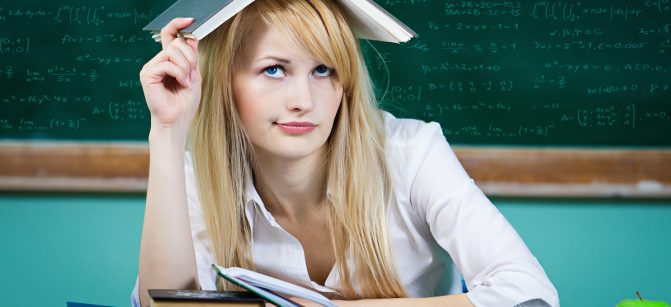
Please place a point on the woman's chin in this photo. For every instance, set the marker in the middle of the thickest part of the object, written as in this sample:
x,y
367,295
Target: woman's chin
x,y
291,150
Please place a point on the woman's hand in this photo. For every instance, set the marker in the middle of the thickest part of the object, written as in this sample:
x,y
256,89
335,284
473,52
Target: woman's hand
x,y
308,303
171,80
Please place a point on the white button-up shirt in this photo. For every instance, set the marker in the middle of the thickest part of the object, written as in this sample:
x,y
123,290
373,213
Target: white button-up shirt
x,y
439,219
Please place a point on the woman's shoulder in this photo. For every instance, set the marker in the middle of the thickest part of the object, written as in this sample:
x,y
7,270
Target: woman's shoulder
x,y
409,131
408,142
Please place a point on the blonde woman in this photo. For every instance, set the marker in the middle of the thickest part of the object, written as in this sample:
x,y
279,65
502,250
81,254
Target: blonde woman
x,y
291,170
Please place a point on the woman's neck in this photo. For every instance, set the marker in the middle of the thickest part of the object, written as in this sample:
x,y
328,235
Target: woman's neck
x,y
291,188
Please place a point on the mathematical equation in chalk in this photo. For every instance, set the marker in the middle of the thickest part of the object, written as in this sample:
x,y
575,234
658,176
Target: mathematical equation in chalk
x,y
123,110
25,124
120,39
18,45
84,15
45,99
60,74
485,70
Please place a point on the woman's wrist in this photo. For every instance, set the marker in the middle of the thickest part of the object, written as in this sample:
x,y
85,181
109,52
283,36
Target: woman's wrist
x,y
167,134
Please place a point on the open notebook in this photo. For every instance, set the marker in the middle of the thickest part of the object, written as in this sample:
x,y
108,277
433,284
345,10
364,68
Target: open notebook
x,y
271,289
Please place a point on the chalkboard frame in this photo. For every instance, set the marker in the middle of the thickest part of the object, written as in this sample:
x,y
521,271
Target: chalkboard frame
x,y
49,166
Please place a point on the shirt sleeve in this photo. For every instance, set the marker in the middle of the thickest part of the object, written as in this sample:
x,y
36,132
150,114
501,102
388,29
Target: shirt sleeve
x,y
134,296
497,266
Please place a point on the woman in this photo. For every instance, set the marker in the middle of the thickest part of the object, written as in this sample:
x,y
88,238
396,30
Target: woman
x,y
292,171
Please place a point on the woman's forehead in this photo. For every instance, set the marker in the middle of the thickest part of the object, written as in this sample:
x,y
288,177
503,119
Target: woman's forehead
x,y
266,41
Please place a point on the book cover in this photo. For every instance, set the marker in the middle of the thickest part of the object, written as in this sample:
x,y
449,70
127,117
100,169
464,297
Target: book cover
x,y
201,10
207,15
197,298
369,20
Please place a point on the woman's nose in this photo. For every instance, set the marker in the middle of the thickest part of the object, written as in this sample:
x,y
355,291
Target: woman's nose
x,y
303,95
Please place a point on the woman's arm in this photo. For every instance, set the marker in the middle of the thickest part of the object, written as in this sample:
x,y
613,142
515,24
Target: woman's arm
x,y
455,300
167,259
171,84
497,266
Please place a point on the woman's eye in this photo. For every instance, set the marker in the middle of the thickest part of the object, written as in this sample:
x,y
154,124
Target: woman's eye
x,y
323,71
274,71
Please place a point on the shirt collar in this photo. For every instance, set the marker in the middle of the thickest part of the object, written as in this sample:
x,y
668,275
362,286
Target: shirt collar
x,y
254,203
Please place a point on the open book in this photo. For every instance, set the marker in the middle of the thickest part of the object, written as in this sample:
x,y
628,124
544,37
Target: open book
x,y
271,289
368,20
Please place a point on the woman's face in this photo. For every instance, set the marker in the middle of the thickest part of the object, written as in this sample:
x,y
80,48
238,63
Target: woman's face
x,y
287,100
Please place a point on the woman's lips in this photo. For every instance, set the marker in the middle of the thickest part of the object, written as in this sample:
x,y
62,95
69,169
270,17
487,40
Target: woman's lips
x,y
296,128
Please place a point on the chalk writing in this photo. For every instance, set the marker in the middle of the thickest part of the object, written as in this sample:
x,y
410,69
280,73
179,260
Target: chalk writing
x,y
406,93
108,60
5,124
460,26
403,2
590,45
14,45
576,32
662,6
491,48
7,72
625,68
447,66
482,8
652,88
473,86
72,124
543,81
45,98
511,72
61,74
104,38
78,14
122,111
500,132
129,83
436,110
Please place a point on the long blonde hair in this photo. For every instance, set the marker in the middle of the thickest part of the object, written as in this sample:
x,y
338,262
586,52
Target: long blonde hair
x,y
357,178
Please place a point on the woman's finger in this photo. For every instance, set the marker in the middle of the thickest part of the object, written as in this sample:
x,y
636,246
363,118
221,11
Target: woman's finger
x,y
193,43
187,52
179,53
158,72
170,55
169,32
177,57
195,73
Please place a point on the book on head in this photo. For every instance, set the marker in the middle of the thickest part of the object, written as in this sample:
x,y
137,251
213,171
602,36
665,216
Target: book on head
x,y
368,20
273,290
203,298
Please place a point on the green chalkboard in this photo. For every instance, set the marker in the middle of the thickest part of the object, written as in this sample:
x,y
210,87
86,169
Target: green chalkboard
x,y
69,69
490,72
534,72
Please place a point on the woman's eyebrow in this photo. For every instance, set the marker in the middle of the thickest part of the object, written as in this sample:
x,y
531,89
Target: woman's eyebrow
x,y
281,60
